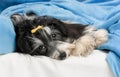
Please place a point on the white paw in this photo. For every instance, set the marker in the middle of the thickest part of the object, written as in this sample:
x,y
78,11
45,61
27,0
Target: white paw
x,y
101,36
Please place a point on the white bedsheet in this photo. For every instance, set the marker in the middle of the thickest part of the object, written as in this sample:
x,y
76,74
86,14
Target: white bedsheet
x,y
18,65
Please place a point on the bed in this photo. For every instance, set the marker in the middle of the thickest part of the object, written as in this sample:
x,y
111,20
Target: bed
x,y
19,65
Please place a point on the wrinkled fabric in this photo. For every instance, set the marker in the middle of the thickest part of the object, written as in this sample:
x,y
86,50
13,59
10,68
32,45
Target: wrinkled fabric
x,y
20,65
7,35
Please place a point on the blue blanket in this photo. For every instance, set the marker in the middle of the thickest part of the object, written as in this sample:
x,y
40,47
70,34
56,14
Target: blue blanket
x,y
99,13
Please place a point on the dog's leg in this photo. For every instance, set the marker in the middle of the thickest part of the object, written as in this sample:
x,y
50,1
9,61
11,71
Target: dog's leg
x,y
84,46
91,40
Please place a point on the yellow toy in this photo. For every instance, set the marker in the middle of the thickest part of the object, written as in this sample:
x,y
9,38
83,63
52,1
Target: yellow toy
x,y
37,28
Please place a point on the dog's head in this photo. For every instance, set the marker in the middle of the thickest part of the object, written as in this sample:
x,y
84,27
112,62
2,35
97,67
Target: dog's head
x,y
43,35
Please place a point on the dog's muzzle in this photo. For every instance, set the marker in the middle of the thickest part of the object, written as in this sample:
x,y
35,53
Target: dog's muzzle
x,y
60,50
57,49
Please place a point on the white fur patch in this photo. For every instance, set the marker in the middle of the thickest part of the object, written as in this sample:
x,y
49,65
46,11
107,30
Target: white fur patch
x,y
29,17
91,39
62,47
47,29
36,42
66,47
101,36
89,29
84,46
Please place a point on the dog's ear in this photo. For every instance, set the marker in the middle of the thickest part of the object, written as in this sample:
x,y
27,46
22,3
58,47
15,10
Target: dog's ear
x,y
30,15
74,30
59,25
70,30
16,18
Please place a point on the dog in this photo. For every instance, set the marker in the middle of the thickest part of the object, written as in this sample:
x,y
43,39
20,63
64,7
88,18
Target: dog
x,y
49,36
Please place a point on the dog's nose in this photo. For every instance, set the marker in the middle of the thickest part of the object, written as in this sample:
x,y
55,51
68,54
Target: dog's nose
x,y
62,55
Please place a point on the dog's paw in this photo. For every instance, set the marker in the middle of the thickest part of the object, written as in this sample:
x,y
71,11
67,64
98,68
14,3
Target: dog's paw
x,y
101,36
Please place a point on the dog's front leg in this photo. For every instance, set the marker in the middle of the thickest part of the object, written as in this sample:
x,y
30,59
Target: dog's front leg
x,y
84,46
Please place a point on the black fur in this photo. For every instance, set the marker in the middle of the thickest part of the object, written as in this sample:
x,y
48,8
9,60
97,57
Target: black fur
x,y
24,43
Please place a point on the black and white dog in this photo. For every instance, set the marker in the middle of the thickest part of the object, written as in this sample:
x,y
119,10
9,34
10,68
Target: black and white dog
x,y
45,35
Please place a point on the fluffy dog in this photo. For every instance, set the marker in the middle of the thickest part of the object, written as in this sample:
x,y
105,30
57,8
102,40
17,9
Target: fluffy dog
x,y
45,35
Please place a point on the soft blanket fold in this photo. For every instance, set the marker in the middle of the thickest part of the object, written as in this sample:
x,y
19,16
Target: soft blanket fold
x,y
99,13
